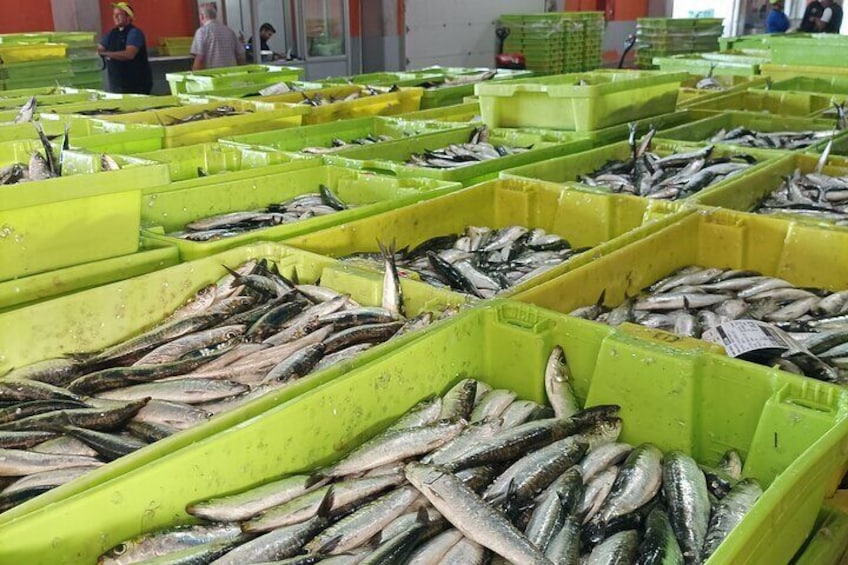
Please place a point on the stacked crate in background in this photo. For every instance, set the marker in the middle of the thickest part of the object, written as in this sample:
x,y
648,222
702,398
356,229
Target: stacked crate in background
x,y
86,65
657,37
32,64
557,42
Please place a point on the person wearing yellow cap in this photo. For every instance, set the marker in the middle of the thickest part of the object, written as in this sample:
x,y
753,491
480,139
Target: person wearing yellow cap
x,y
125,51
776,21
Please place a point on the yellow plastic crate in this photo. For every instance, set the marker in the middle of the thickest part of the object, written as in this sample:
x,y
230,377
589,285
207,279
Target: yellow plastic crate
x,y
23,53
805,255
261,117
401,101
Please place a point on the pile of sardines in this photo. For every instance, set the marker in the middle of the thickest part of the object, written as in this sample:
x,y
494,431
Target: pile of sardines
x,y
472,477
814,195
222,111
672,177
251,332
696,299
787,140
482,261
339,143
476,150
318,99
299,208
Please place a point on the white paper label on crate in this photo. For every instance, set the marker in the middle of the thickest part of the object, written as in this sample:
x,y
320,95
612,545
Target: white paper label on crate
x,y
279,88
746,336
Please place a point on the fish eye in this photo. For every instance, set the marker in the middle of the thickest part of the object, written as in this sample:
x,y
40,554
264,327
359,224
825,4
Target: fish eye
x,y
120,549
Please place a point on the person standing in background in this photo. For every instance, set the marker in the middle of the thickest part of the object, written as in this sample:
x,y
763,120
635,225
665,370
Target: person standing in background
x,y
266,32
125,51
812,13
831,18
215,45
776,21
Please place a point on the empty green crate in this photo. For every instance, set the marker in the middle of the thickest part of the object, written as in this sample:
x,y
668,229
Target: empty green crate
x,y
559,102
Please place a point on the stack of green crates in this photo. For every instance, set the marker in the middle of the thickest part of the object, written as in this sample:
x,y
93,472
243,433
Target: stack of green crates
x,y
658,37
593,39
86,65
557,42
29,65
541,38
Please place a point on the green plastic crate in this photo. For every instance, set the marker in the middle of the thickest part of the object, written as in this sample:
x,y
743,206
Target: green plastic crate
x,y
720,63
26,52
782,72
602,222
403,100
390,157
718,404
114,312
672,24
73,219
260,117
170,210
13,38
782,103
407,78
829,540
703,129
746,194
558,103
151,256
92,134
621,132
566,170
731,83
465,113
122,105
437,97
292,141
46,100
825,49
230,77
221,163
754,41
817,85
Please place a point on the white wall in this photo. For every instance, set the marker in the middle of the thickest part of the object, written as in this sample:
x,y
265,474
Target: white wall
x,y
451,33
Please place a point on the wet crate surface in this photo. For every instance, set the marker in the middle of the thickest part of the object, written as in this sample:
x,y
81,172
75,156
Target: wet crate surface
x,y
506,345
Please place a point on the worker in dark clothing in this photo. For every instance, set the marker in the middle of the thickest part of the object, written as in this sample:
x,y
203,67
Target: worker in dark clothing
x,y
831,18
776,21
266,32
812,13
125,51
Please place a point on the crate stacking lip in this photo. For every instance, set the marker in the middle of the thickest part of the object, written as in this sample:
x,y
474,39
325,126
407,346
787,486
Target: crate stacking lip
x,y
165,212
581,102
602,222
719,404
120,310
837,85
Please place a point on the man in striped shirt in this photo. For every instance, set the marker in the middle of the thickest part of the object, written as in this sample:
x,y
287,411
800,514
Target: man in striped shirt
x,y
214,44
